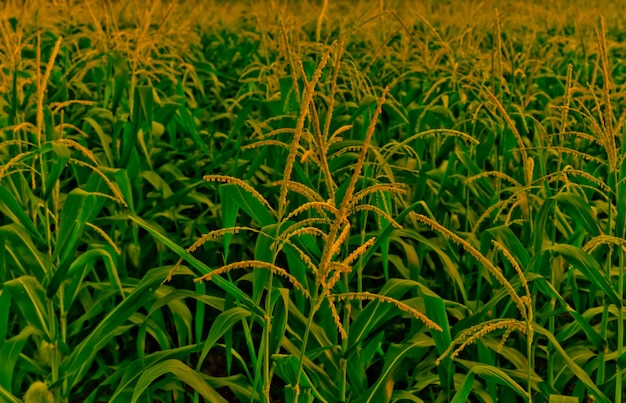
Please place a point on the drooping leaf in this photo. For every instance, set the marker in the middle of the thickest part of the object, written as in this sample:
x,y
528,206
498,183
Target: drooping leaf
x,y
79,361
79,208
12,209
61,157
180,371
223,323
226,285
596,340
394,358
30,297
580,373
579,210
230,193
10,354
25,252
7,396
495,373
584,262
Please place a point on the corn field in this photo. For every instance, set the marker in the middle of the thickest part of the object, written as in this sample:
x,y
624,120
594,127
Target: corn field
x,y
316,201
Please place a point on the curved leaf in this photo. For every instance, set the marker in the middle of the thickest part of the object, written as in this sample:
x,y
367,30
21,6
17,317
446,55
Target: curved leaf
x,y
488,371
587,264
12,209
226,285
30,297
183,373
7,396
397,353
224,322
572,366
79,361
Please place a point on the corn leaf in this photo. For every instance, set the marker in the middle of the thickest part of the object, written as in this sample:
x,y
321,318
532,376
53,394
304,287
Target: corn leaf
x,y
180,371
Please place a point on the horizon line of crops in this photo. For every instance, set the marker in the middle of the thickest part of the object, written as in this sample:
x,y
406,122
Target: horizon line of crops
x,y
204,213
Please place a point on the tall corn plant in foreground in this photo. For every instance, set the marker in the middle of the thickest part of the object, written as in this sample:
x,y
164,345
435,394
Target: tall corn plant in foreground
x,y
307,339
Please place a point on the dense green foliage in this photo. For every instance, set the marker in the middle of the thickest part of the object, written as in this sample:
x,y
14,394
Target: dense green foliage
x,y
311,202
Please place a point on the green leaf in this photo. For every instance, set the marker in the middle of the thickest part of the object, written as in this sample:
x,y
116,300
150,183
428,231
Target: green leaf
x,y
79,361
7,397
288,99
280,301
180,371
587,264
298,269
405,396
576,208
394,357
128,372
231,193
30,258
10,354
30,297
184,118
12,209
226,285
488,371
376,313
436,311
229,219
287,367
580,373
109,259
224,322
104,139
200,320
126,188
264,252
318,375
121,79
240,121
546,287
465,389
385,233
369,319
144,104
141,117
511,242
233,198
158,183
579,210
359,361
621,360
79,208
62,155
238,384
382,200
5,305
304,395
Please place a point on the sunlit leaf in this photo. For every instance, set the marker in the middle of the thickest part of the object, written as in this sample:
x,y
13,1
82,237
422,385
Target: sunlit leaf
x,y
180,371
